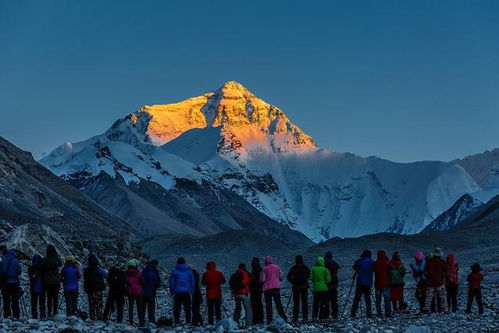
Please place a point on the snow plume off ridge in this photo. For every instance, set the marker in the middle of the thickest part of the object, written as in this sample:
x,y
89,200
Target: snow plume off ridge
x,y
233,140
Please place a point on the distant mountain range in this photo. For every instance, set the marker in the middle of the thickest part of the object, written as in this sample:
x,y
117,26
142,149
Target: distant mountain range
x,y
229,160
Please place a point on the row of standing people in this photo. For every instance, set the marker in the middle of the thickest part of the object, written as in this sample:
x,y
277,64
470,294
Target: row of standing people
x,y
437,283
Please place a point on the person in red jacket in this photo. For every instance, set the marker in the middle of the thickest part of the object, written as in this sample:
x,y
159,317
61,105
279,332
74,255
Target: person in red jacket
x,y
436,270
239,282
474,288
213,280
452,282
381,270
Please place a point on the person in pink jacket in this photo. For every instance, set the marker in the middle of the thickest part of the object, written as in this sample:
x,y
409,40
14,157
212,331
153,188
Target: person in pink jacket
x,y
271,278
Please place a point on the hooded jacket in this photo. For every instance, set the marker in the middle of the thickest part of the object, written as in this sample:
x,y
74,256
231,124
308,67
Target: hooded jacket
x,y
333,268
152,280
320,276
181,280
298,275
70,274
452,270
93,276
271,275
245,282
35,273
363,267
10,268
397,272
381,268
51,264
213,280
475,279
256,270
116,281
436,270
134,282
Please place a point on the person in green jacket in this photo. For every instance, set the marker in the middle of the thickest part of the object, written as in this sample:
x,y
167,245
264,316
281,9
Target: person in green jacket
x,y
320,277
396,277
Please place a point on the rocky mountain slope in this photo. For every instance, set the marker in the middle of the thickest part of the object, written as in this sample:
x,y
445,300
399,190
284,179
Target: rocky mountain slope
x,y
484,168
232,140
29,193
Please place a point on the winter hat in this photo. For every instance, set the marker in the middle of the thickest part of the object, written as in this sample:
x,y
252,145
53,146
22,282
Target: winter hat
x,y
476,267
419,255
71,259
328,255
437,252
242,266
133,263
395,256
299,259
92,260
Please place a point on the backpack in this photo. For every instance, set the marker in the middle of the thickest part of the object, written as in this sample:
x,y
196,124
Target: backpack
x,y
94,281
116,280
236,281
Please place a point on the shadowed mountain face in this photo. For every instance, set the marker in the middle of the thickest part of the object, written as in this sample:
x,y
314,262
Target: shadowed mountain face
x,y
235,141
29,193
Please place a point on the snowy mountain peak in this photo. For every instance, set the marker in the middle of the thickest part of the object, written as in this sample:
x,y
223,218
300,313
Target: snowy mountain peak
x,y
245,121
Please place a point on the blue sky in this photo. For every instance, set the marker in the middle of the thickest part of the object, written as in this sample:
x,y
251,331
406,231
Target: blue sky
x,y
401,80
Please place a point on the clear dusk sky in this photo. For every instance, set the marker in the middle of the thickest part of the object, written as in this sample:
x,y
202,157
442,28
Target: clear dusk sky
x,y
403,80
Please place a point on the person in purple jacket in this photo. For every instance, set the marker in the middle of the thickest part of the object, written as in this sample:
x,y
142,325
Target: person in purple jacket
x,y
152,282
182,287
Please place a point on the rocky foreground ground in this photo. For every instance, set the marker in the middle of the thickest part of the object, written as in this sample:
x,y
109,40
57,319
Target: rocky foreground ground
x,y
412,322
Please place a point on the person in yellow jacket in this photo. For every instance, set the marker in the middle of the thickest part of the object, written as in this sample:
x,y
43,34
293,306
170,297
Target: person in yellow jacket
x,y
320,277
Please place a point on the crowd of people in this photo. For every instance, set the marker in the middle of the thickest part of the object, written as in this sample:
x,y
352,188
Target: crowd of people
x,y
437,282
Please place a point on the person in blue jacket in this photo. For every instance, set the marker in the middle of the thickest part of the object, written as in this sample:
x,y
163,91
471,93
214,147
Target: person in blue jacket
x,y
363,268
70,274
181,286
35,272
152,282
9,273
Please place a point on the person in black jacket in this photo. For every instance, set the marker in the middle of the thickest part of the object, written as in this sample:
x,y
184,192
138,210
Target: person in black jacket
x,y
51,279
116,294
35,273
256,291
298,277
94,285
332,294
197,299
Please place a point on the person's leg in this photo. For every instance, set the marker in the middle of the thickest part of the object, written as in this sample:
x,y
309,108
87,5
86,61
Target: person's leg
x,y
67,299
210,304
107,307
248,313
98,305
334,303
34,305
442,297
296,303
218,308
386,299
324,304
6,302
237,308
141,311
315,305
356,300
367,299
56,300
278,304
470,300
430,293
16,311
304,304
120,302
454,298
378,293
478,295
268,305
187,308
42,304
131,302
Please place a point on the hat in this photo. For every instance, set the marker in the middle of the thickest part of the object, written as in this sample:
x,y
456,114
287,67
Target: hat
x,y
133,263
70,259
437,252
419,255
